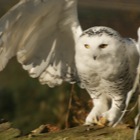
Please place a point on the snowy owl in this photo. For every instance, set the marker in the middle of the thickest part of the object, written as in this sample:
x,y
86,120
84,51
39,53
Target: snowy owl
x,y
50,44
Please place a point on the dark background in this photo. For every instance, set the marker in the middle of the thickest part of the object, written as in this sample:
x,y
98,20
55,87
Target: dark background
x,y
28,104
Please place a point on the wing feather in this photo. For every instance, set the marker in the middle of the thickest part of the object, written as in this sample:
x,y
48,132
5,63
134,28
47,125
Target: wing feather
x,y
42,33
133,55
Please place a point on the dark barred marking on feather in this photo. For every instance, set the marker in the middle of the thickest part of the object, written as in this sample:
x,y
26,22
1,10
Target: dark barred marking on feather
x,y
120,105
92,32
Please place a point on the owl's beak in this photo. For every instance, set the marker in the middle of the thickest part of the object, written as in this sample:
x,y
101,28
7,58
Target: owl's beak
x,y
94,57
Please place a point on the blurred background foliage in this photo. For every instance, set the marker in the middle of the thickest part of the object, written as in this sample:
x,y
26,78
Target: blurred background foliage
x,y
28,104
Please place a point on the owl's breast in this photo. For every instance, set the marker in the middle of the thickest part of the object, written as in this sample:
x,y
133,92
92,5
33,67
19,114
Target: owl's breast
x,y
89,76
93,73
105,78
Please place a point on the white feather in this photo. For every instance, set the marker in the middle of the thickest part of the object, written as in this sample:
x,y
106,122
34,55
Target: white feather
x,y
43,35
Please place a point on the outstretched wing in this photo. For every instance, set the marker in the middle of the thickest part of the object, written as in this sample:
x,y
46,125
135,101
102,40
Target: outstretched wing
x,y
42,34
137,118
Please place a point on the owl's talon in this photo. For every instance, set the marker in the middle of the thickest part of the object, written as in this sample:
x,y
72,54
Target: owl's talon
x,y
90,121
102,121
88,124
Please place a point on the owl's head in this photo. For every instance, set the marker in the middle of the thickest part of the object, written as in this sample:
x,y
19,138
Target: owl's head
x,y
100,43
100,50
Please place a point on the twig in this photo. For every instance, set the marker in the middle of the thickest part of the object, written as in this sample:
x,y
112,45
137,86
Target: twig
x,y
69,107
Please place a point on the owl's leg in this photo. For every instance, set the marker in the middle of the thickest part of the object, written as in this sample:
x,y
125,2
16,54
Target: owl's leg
x,y
101,104
113,114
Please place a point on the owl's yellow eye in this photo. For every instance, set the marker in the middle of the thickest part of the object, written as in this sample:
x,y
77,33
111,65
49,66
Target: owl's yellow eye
x,y
102,46
87,46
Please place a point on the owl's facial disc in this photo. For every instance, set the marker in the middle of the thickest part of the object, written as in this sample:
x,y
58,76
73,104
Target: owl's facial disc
x,y
100,47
